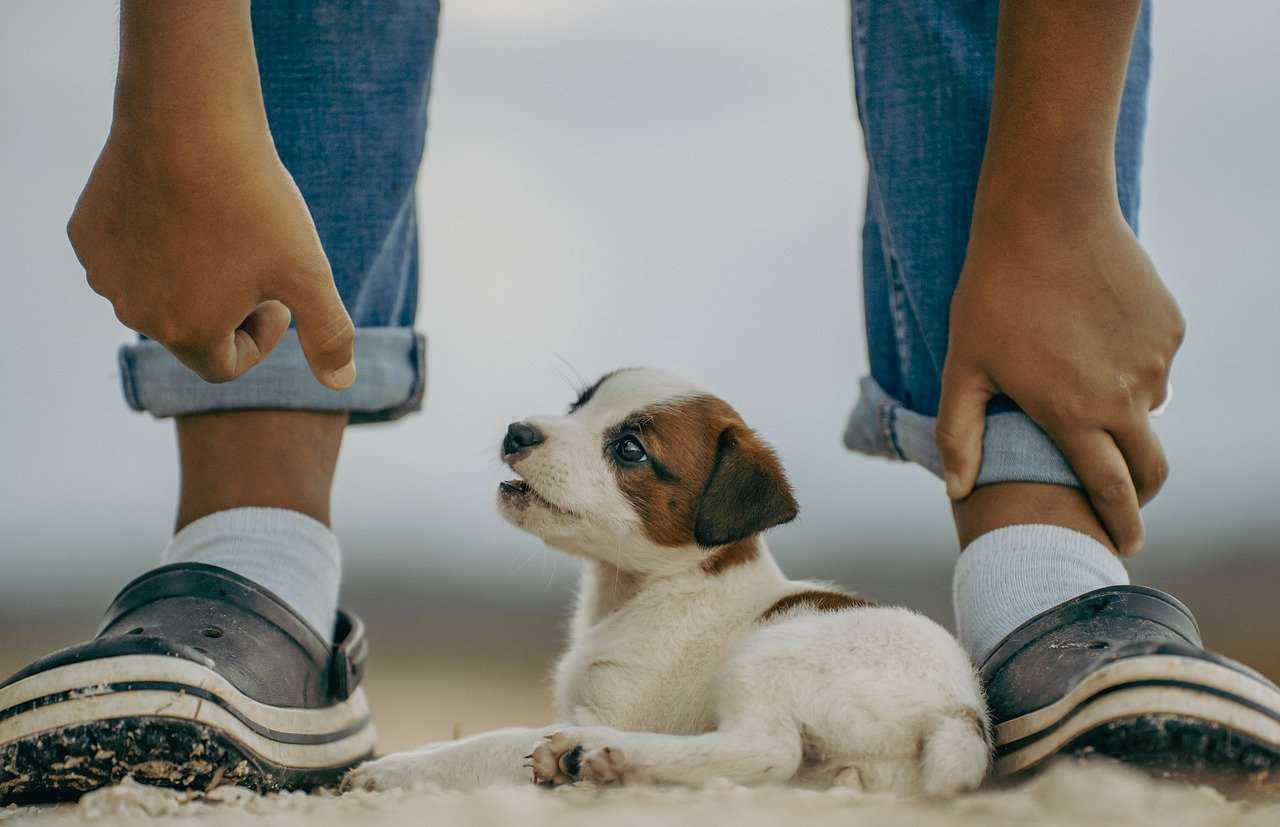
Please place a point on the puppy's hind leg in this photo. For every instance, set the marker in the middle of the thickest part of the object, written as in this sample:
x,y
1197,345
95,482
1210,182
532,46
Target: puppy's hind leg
x,y
956,754
605,756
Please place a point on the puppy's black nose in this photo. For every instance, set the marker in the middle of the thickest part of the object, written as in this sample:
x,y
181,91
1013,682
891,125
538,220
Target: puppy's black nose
x,y
520,435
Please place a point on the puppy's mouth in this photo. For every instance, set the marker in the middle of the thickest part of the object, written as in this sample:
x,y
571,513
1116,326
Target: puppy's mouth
x,y
519,493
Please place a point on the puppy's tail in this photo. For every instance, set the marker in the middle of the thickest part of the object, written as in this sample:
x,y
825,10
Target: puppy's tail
x,y
957,752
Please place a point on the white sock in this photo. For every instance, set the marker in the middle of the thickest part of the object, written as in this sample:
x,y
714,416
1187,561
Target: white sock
x,y
284,551
1010,575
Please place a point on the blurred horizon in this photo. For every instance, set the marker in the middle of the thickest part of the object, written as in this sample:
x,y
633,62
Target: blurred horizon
x,y
601,179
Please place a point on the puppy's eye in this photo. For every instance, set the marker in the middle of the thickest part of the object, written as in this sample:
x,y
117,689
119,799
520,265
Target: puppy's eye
x,y
629,449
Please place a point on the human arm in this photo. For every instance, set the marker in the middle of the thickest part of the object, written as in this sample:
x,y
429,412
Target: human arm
x,y
1058,306
189,223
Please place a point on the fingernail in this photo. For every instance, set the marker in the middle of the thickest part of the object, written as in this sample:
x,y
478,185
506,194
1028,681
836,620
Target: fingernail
x,y
344,376
953,484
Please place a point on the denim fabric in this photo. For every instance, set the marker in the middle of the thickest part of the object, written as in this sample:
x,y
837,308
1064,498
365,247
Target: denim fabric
x,y
345,86
923,74
392,381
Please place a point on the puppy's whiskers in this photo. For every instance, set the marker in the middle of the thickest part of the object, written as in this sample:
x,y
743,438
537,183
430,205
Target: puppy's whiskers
x,y
617,573
579,383
532,553
551,577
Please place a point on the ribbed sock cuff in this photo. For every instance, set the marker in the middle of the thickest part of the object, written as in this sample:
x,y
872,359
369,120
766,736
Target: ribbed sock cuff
x,y
1010,575
294,556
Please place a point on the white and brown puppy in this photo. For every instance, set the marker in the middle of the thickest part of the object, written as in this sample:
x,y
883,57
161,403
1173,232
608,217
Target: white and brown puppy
x,y
691,657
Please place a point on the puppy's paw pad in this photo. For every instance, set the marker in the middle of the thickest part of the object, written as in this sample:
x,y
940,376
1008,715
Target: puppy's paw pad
x,y
606,765
556,760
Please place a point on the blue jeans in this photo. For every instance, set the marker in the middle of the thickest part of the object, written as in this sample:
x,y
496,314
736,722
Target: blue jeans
x,y
345,87
923,75
346,93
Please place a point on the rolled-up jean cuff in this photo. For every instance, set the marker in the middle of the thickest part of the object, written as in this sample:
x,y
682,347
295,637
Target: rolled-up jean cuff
x,y
1014,449
391,378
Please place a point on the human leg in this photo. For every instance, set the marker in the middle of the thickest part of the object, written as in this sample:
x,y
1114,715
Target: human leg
x,y
230,664
1036,562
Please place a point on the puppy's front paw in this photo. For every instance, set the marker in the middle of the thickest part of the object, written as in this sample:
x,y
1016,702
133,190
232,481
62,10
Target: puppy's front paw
x,y
390,773
573,755
605,765
555,760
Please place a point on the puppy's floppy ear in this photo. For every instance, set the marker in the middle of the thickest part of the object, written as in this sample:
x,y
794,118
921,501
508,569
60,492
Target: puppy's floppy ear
x,y
746,493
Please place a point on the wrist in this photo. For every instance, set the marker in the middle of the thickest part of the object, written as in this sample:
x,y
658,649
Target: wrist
x,y
1046,196
187,114
191,149
223,93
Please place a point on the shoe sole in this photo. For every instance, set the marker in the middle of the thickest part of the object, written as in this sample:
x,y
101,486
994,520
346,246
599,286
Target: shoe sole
x,y
166,721
1174,715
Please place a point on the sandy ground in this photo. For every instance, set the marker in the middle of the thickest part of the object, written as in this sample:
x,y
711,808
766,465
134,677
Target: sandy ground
x,y
456,680
418,704
415,705
1068,795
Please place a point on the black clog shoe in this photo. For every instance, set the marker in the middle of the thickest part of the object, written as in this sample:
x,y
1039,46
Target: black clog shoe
x,y
1120,672
197,678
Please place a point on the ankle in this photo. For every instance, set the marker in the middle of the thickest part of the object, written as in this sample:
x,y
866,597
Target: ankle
x,y
290,554
1009,575
1006,504
271,459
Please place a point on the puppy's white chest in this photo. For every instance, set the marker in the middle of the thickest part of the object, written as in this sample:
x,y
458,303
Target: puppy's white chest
x,y
645,682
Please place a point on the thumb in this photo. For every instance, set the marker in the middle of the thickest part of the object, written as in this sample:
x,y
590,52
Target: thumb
x,y
962,417
325,331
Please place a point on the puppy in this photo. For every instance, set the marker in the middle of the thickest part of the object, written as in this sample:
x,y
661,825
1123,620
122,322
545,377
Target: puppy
x,y
691,657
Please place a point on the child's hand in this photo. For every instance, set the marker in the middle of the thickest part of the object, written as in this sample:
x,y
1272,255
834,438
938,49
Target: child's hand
x,y
202,242
190,225
1067,316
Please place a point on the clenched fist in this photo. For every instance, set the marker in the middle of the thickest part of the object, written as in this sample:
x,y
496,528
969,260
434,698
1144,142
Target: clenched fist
x,y
1070,320
203,243
189,224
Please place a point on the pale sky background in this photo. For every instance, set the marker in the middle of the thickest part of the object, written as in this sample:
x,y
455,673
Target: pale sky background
x,y
607,184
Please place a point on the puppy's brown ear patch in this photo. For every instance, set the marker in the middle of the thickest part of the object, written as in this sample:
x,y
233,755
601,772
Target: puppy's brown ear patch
x,y
746,492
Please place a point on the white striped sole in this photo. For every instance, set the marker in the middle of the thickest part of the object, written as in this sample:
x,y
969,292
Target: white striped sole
x,y
83,692
1148,685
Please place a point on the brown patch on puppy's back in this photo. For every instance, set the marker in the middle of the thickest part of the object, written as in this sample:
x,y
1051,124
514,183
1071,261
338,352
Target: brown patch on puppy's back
x,y
815,600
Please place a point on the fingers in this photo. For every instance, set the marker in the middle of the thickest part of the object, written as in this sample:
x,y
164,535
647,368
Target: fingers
x,y
962,417
222,357
1144,455
1102,470
213,360
258,334
325,330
